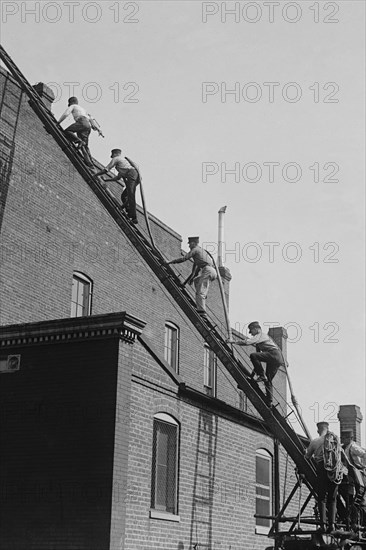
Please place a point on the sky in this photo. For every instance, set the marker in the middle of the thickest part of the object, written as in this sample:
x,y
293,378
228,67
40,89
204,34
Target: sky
x,y
257,106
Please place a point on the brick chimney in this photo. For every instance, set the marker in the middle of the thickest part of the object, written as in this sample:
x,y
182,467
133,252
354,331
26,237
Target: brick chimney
x,y
279,335
350,418
45,93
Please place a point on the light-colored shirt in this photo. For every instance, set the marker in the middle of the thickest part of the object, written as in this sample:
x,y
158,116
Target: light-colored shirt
x,y
355,454
76,111
198,255
119,163
316,448
262,341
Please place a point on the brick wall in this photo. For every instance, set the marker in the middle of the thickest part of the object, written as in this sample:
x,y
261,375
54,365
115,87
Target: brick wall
x,y
232,500
230,467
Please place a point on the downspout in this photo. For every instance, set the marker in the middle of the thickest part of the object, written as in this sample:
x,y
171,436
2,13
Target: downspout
x,y
220,241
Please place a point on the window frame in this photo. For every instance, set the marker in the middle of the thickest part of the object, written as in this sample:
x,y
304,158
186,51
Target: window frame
x,y
265,455
87,282
210,359
171,328
156,510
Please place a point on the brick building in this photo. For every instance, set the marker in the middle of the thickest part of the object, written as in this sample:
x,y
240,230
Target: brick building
x,y
120,428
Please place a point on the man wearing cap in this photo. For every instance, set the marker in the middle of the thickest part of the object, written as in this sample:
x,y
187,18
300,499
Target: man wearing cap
x,y
327,490
354,483
81,126
129,175
353,452
267,352
202,274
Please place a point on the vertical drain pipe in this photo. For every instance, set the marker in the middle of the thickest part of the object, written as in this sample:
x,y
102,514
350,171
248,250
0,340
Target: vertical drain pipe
x,y
220,263
220,239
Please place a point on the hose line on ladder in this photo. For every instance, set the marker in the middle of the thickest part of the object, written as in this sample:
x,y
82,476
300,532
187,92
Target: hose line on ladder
x,y
143,201
226,311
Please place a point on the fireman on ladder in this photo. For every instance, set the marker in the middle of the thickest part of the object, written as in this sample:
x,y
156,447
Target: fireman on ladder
x,y
326,488
267,352
81,127
130,176
354,484
202,273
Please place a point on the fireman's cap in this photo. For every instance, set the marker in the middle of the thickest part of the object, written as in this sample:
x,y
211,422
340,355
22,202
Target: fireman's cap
x,y
254,324
73,100
346,433
115,152
322,425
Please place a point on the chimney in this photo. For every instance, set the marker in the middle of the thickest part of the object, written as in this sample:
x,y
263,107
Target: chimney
x,y
220,240
350,418
279,335
224,271
45,93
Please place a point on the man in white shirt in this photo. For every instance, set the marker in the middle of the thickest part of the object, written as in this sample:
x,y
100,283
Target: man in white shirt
x,y
202,274
355,453
81,127
129,175
267,352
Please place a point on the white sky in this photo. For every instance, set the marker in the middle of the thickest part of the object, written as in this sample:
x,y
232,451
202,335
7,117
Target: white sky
x,y
169,52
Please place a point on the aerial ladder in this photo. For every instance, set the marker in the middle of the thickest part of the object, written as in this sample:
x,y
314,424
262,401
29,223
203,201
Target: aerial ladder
x,y
274,420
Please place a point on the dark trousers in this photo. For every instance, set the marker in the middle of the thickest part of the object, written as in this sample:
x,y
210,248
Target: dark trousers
x,y
327,495
347,491
128,197
81,128
273,362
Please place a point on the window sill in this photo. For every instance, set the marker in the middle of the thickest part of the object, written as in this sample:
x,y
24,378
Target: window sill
x,y
260,530
157,514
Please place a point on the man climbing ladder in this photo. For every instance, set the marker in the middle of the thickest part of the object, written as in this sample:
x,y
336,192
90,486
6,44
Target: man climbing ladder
x,y
80,130
202,274
129,175
267,352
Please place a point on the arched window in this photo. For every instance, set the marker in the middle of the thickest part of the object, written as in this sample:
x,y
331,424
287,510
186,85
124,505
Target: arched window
x,y
164,479
171,345
263,489
209,371
81,297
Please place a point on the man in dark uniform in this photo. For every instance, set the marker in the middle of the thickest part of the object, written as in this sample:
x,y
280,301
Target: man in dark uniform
x,y
354,484
327,490
267,352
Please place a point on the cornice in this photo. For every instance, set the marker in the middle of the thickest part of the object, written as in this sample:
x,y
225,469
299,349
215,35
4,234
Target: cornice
x,y
112,325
